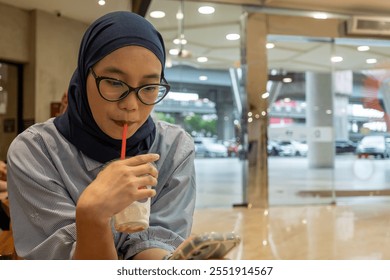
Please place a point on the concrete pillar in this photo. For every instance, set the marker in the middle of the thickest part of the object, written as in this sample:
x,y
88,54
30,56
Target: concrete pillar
x,y
319,119
225,125
343,87
255,63
341,117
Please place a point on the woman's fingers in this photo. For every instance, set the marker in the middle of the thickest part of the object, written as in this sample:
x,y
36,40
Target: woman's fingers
x,y
140,165
141,159
143,194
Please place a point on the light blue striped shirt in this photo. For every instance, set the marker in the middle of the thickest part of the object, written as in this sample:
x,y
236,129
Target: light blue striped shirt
x,y
47,174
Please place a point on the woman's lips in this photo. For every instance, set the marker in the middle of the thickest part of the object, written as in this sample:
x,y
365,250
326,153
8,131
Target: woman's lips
x,y
121,123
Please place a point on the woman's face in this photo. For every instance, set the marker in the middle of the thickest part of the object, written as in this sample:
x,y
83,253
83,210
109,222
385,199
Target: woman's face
x,y
135,66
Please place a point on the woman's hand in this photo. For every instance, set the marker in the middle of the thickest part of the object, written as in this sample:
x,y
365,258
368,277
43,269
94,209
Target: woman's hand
x,y
118,185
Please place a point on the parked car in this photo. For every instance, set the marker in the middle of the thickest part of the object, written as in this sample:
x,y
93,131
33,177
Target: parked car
x,y
273,148
345,146
374,145
293,148
209,147
232,148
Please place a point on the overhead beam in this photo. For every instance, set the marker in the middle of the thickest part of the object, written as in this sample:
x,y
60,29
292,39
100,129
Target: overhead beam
x,y
140,6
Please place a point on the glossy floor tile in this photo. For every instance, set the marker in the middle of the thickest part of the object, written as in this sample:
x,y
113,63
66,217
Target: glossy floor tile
x,y
220,181
333,232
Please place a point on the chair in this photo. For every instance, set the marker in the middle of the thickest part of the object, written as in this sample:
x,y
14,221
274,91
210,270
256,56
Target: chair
x,y
7,247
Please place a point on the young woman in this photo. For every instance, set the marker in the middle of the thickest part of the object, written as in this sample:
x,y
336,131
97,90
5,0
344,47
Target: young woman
x,y
65,181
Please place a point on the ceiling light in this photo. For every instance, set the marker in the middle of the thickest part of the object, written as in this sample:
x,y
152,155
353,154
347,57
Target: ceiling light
x,y
336,59
173,51
320,16
270,45
233,36
202,59
287,80
179,15
178,41
203,78
206,10
102,2
371,61
180,53
157,14
363,48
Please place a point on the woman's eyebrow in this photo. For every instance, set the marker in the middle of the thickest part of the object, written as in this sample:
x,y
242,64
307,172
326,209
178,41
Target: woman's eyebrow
x,y
115,70
152,76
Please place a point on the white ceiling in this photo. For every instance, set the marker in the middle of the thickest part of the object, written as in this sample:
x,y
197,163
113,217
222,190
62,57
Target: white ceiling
x,y
206,33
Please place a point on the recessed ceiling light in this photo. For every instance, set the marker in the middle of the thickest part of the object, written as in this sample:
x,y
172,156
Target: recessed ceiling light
x,y
270,45
363,48
206,10
336,59
179,15
157,14
320,16
202,59
173,51
178,41
233,36
371,60
203,78
102,2
287,80
265,95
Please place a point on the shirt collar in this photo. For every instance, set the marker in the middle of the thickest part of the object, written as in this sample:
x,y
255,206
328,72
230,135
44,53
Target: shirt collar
x,y
91,164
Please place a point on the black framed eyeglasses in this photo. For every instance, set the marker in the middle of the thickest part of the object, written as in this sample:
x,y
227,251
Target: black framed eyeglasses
x,y
114,90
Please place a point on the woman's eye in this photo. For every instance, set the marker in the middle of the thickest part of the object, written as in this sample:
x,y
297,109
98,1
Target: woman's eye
x,y
149,88
114,83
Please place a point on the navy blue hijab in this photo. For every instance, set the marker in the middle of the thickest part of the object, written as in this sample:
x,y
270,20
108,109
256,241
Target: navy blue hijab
x,y
77,125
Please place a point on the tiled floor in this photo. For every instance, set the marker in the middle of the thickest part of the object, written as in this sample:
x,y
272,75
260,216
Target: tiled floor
x,y
304,221
359,231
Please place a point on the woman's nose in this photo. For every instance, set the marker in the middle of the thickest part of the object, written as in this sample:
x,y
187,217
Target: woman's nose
x,y
130,102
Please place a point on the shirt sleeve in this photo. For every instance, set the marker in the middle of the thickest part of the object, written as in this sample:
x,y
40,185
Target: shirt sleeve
x,y
42,212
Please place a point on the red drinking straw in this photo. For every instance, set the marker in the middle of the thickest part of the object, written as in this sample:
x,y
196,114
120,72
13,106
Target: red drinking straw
x,y
124,134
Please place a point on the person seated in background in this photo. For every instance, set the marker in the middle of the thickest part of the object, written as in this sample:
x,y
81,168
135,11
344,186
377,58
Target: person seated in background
x,y
3,176
65,182
4,219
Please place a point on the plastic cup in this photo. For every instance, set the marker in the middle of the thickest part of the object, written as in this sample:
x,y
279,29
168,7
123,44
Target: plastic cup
x,y
134,217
